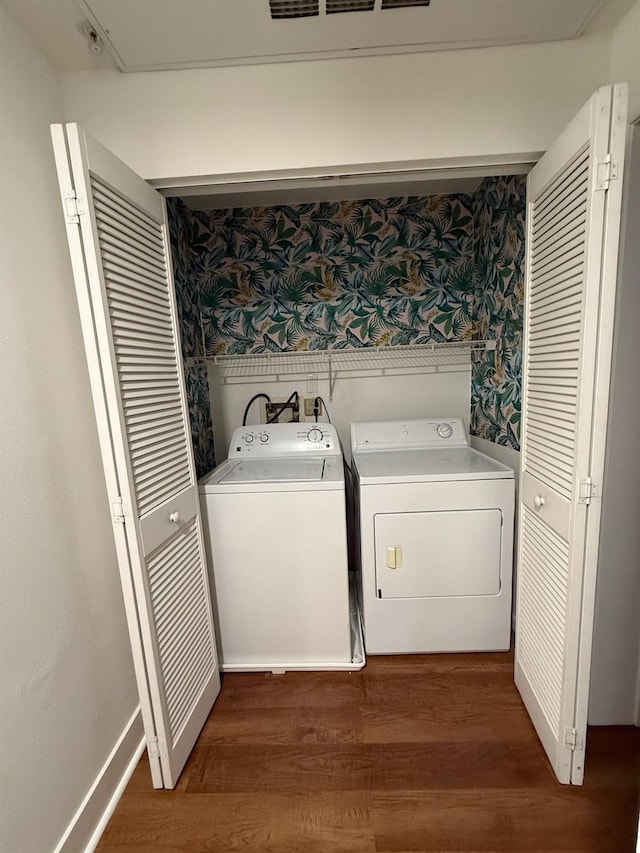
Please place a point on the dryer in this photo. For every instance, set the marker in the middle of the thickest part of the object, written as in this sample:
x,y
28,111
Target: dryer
x,y
435,538
275,532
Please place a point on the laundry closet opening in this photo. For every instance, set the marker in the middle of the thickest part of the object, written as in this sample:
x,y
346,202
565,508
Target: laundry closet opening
x,y
362,274
267,294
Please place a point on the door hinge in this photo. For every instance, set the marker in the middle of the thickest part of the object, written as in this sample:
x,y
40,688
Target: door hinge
x,y
118,510
72,208
570,739
606,171
153,748
587,489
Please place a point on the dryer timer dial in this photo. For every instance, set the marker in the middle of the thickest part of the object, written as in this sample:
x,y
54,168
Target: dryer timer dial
x,y
444,430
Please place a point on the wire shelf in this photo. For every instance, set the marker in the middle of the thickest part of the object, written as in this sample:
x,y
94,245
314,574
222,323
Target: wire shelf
x,y
346,361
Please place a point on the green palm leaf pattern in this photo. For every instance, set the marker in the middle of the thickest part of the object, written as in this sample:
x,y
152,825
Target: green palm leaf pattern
x,y
499,248
352,274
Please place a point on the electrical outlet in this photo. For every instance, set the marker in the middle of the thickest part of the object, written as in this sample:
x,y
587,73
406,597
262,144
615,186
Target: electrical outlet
x,y
287,412
309,407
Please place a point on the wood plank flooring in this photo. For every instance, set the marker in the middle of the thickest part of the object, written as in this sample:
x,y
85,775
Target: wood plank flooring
x,y
416,753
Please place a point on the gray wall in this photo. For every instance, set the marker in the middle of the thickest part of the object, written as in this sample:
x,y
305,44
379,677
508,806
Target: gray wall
x,y
613,698
68,689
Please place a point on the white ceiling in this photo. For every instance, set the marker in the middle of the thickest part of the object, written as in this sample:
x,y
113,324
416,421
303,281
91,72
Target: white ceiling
x,y
161,34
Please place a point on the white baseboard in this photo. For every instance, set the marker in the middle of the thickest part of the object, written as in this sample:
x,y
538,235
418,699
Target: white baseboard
x,y
88,823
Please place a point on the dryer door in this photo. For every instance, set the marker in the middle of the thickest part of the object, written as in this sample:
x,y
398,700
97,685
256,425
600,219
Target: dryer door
x,y
440,553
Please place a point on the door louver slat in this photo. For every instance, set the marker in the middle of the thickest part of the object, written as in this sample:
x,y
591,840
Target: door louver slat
x,y
555,318
562,278
103,192
135,312
118,249
544,590
567,301
152,421
164,584
548,258
116,237
154,412
148,284
181,623
573,227
108,210
563,433
574,201
124,262
164,434
144,290
559,188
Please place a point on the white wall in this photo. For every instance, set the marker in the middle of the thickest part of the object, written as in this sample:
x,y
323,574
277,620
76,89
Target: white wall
x,y
356,398
625,57
68,689
344,111
616,643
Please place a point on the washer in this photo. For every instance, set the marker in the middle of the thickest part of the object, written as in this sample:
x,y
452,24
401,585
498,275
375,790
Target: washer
x,y
435,538
275,531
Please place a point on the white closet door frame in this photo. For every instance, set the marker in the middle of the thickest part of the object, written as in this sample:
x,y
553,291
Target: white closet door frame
x,y
609,260
600,128
74,150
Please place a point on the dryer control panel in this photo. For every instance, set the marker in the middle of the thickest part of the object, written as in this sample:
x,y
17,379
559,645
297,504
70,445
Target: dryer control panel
x,y
290,439
408,435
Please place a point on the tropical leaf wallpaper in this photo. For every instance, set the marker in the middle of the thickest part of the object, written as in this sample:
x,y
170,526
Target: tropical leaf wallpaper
x,y
379,272
335,275
499,207
181,228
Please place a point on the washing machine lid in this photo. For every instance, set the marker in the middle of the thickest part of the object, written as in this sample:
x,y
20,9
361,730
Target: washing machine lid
x,y
275,474
275,470
424,466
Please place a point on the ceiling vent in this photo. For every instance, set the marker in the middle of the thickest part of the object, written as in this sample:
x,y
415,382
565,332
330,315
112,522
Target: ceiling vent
x,y
294,8
399,4
334,6
311,8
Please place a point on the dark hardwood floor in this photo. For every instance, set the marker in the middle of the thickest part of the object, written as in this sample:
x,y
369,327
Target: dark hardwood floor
x,y
417,753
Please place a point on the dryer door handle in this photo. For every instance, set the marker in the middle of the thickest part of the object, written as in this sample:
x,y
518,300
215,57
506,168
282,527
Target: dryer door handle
x,y
394,556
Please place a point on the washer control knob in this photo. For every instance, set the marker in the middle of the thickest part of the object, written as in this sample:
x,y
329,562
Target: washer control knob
x,y
315,435
264,437
248,438
444,430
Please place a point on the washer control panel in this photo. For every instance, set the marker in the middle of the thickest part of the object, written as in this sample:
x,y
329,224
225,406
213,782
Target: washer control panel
x,y
285,440
409,434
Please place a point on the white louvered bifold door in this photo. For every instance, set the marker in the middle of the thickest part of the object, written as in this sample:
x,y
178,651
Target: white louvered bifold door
x,y
118,238
573,220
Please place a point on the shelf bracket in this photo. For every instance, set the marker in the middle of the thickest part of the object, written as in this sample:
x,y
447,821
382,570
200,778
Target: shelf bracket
x,y
332,380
